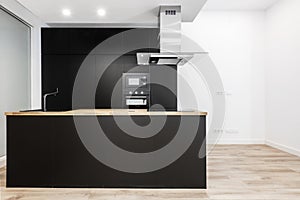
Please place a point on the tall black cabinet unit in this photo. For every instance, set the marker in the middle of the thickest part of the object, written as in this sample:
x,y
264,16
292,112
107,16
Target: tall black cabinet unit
x,y
65,49
163,87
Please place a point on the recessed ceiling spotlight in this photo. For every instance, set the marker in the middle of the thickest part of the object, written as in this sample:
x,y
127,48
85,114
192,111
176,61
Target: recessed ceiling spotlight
x,y
101,12
66,12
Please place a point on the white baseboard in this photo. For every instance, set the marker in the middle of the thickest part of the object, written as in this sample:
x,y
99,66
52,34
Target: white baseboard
x,y
240,141
283,148
2,161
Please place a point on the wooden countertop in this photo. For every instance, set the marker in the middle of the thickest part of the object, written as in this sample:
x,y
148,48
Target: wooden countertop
x,y
102,112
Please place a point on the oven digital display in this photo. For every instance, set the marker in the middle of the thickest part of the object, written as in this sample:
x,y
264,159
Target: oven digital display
x,y
133,81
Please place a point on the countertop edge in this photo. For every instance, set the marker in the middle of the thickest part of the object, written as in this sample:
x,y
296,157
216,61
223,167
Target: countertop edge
x,y
105,112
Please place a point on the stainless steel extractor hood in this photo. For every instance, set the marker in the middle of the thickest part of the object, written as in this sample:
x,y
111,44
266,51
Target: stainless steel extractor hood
x,y
169,40
166,58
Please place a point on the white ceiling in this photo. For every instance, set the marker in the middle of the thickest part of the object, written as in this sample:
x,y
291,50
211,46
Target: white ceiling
x,y
117,11
130,11
238,4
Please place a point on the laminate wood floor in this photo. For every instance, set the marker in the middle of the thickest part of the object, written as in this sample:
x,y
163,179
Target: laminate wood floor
x,y
235,172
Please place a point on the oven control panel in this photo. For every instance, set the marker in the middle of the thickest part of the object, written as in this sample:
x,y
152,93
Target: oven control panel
x,y
135,80
136,90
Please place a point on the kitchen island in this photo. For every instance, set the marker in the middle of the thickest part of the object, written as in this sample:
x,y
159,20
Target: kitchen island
x,y
106,148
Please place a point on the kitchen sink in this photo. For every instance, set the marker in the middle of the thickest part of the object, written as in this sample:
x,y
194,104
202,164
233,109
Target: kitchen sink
x,y
34,110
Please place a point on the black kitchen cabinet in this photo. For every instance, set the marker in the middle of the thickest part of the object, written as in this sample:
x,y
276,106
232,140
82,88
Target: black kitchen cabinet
x,y
142,40
51,154
110,41
71,159
163,88
74,166
55,41
80,40
137,40
30,152
109,75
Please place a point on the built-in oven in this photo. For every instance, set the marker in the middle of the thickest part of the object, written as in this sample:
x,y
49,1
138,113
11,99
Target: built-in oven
x,y
136,90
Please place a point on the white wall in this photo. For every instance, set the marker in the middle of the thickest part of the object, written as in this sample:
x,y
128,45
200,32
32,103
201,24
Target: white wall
x,y
282,75
257,56
235,41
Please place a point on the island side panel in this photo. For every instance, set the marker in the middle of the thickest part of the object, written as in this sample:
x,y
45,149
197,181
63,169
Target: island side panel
x,y
30,142
59,158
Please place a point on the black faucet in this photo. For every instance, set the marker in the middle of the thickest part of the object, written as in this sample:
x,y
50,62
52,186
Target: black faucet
x,y
45,98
